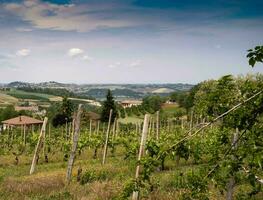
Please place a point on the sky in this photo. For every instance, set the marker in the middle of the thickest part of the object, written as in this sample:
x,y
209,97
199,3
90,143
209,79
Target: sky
x,y
127,41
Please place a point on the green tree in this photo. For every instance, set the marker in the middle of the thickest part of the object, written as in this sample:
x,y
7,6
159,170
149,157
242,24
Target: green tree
x,y
152,103
108,104
65,113
255,55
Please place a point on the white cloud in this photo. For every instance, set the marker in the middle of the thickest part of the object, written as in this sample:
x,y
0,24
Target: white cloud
x,y
86,57
23,52
73,52
114,65
136,63
45,15
21,29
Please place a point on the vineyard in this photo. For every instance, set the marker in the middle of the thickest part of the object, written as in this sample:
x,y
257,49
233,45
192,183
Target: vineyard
x,y
214,152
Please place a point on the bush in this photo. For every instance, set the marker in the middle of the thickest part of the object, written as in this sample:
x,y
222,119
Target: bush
x,y
91,176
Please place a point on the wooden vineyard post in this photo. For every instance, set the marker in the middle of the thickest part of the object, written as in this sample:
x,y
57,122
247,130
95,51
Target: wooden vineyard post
x,y
231,182
117,127
39,146
135,195
66,129
153,126
69,130
75,143
191,122
73,128
157,124
21,130
24,134
49,130
90,127
98,127
150,127
114,128
107,139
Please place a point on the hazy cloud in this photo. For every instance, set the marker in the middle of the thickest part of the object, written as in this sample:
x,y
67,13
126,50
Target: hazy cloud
x,y
23,52
114,65
73,52
21,29
70,17
136,63
86,57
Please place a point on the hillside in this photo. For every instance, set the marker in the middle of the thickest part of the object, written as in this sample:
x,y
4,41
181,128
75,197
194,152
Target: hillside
x,y
98,91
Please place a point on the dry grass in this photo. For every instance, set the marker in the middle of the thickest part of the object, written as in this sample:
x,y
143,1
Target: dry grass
x,y
7,99
57,98
36,184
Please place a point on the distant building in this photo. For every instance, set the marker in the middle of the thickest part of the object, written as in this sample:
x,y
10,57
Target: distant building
x,y
130,103
170,102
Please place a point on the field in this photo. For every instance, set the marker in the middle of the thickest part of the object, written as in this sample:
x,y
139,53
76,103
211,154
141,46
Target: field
x,y
209,151
19,94
109,181
114,179
7,99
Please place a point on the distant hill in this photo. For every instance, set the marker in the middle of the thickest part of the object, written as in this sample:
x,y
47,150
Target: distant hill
x,y
98,91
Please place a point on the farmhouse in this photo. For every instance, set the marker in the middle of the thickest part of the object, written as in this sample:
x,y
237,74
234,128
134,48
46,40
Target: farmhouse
x,y
130,103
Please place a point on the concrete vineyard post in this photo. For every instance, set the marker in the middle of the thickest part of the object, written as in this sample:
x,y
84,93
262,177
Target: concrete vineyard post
x,y
135,195
107,139
39,146
75,143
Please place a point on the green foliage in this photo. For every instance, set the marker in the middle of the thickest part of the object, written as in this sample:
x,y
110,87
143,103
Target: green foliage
x,y
152,103
91,176
28,95
108,104
7,113
193,184
255,55
64,114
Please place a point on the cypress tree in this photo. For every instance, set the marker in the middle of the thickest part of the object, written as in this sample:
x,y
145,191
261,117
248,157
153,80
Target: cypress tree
x,y
108,104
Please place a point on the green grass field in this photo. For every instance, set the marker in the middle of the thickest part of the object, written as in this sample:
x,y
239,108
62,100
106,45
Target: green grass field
x,y
29,95
49,179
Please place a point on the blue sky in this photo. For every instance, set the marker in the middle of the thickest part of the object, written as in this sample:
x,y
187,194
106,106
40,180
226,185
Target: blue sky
x,y
127,41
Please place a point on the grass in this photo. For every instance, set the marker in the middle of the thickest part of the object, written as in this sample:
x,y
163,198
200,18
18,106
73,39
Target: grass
x,y
133,120
49,180
29,95
7,99
170,108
